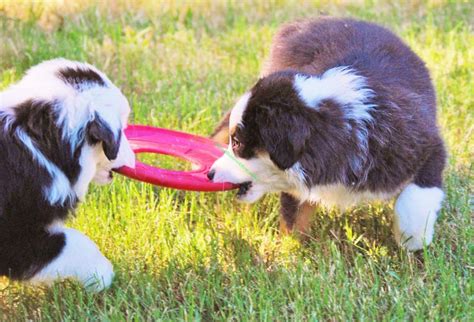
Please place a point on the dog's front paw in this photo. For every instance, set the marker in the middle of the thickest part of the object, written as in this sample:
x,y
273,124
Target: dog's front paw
x,y
81,260
412,241
416,210
99,277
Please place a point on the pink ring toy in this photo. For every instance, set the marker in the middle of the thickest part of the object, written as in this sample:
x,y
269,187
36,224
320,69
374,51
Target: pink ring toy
x,y
195,149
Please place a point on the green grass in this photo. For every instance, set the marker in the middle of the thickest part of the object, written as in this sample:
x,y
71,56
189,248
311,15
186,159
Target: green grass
x,y
202,256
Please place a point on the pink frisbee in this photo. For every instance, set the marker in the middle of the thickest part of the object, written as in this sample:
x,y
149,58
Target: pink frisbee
x,y
195,149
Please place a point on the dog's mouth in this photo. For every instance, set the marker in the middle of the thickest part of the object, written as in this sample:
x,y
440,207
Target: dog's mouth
x,y
244,189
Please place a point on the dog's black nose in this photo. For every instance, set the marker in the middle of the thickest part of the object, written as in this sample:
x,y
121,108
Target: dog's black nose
x,y
210,174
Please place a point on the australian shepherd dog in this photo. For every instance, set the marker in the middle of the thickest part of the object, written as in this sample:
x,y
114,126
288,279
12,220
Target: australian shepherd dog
x,y
344,112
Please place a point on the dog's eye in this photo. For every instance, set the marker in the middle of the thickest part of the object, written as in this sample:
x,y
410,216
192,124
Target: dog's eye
x,y
235,143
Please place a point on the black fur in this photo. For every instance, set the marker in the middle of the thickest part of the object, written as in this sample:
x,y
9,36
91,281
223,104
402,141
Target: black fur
x,y
98,131
289,206
27,210
39,120
78,77
25,245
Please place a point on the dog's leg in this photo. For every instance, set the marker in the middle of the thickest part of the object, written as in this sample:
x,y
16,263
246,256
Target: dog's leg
x,y
24,250
416,208
416,211
294,215
79,259
221,133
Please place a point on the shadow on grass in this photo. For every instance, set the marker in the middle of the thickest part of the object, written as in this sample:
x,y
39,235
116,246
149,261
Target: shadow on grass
x,y
237,269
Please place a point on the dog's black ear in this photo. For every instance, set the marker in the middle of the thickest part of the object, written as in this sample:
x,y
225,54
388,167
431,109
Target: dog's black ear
x,y
98,131
284,135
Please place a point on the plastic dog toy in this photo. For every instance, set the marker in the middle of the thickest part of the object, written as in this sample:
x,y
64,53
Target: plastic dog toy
x,y
198,150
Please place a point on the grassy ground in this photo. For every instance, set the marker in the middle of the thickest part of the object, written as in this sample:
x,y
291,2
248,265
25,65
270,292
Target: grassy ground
x,y
198,256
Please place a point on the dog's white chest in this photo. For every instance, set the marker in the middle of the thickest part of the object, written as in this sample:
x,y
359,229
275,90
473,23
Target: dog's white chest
x,y
343,197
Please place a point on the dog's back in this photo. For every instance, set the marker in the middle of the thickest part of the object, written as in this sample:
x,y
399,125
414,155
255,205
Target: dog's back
x,y
405,118
315,46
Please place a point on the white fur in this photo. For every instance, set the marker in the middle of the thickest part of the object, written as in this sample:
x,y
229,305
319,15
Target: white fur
x,y
230,169
38,83
340,196
296,176
80,259
88,162
41,82
261,171
341,84
416,210
125,156
238,110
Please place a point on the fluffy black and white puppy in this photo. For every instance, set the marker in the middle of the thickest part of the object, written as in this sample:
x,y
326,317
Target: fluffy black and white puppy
x,y
61,127
344,112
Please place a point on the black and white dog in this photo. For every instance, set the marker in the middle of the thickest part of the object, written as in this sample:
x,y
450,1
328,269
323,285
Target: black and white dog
x,y
61,127
344,112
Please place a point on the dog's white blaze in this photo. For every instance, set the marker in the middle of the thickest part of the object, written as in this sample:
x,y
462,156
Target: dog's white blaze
x,y
261,171
238,110
109,103
88,164
125,156
60,189
416,210
79,259
227,168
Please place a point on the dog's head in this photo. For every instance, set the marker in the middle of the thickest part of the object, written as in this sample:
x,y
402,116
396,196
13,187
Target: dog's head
x,y
96,119
273,126
104,141
268,134
71,118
